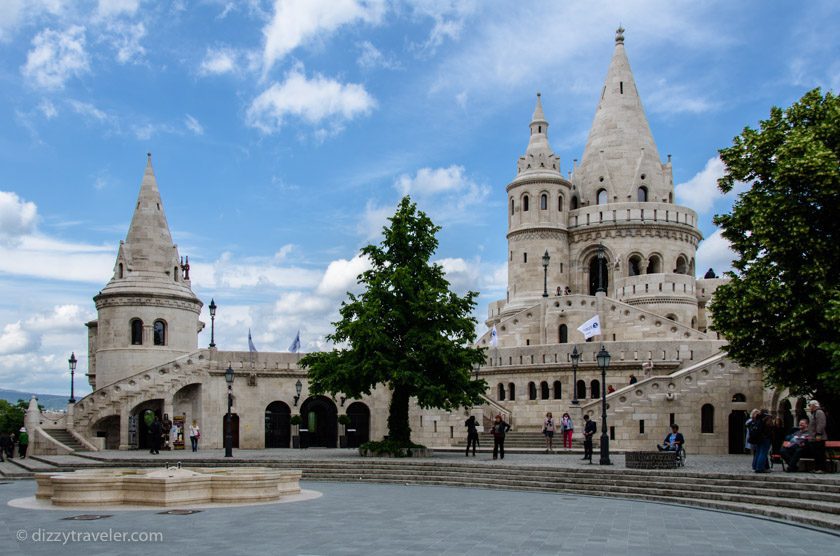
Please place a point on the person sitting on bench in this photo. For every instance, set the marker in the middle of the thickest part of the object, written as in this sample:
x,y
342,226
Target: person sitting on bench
x,y
796,446
673,441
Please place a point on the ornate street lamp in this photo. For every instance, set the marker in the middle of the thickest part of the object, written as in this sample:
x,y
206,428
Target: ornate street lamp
x,y
575,360
212,308
228,424
72,361
601,287
603,358
298,388
545,261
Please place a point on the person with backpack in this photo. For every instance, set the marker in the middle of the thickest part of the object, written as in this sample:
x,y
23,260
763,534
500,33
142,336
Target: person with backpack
x,y
760,437
472,434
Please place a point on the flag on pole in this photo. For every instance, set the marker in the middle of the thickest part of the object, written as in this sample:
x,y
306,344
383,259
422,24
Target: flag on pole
x,y
592,327
295,347
494,337
251,347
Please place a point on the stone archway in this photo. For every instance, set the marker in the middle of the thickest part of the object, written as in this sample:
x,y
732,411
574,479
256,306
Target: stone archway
x,y
358,431
109,429
140,422
277,425
319,423
737,431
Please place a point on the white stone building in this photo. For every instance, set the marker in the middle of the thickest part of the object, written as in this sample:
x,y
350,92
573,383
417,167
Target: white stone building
x,y
611,221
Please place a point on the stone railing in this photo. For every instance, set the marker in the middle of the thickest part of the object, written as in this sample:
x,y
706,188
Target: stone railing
x,y
632,213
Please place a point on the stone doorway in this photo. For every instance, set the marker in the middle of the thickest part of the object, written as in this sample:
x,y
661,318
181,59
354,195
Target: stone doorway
x,y
358,431
737,431
319,417
277,425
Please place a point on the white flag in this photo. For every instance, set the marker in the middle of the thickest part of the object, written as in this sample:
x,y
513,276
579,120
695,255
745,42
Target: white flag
x,y
590,328
494,337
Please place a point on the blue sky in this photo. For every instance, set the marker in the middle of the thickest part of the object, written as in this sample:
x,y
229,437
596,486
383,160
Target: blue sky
x,y
284,132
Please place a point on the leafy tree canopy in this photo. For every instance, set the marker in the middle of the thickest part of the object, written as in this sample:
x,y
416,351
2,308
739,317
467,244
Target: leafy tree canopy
x,y
11,415
781,309
407,330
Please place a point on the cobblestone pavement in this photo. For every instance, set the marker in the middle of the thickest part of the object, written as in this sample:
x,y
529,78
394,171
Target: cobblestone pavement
x,y
375,519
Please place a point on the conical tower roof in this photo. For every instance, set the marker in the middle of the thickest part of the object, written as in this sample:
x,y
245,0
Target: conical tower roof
x,y
620,148
539,157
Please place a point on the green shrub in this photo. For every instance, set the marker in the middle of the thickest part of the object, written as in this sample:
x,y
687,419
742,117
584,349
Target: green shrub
x,y
392,448
344,420
295,420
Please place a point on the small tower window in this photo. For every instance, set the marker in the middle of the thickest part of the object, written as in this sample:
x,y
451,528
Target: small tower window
x,y
511,391
120,271
574,204
558,390
511,207
543,202
595,389
159,329
524,257
532,391
175,273
501,395
707,419
539,129
544,390
642,194
525,203
621,87
136,332
564,330
602,197
560,203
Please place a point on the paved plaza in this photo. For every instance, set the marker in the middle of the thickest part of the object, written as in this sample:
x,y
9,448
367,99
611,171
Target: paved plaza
x,y
402,519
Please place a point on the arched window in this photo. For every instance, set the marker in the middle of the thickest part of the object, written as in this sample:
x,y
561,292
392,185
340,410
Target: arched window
x,y
738,398
511,391
594,271
175,273
136,332
560,203
564,334
581,390
543,202
634,268
532,391
558,390
511,206
601,199
672,316
574,205
707,418
544,390
654,265
595,389
159,329
525,201
501,392
120,270
682,265
642,194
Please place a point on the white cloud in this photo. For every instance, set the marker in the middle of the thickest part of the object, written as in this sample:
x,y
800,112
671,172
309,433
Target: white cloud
x,y
446,194
228,272
56,57
283,252
373,219
17,218
63,318
371,57
193,125
340,276
125,39
13,15
714,252
218,61
88,110
43,257
297,22
667,98
311,100
114,8
449,17
14,339
701,191
48,109
429,181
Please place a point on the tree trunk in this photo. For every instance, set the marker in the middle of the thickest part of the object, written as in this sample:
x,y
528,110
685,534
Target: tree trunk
x,y
398,428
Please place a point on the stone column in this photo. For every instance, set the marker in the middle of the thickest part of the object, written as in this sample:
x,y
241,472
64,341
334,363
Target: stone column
x,y
32,420
124,415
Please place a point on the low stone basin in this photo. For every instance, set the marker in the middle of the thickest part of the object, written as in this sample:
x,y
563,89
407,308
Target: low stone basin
x,y
167,487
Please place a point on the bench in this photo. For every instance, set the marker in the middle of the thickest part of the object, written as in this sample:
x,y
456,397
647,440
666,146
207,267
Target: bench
x,y
832,458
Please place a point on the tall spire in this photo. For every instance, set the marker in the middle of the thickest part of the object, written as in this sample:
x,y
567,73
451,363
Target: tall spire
x,y
538,155
620,148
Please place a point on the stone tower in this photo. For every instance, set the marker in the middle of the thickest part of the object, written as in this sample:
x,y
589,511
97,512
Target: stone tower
x,y
147,313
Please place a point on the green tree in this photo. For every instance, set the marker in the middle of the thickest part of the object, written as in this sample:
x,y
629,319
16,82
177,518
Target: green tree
x,y
406,330
781,309
11,415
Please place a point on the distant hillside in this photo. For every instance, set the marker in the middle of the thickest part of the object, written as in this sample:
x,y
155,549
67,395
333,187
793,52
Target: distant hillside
x,y
49,401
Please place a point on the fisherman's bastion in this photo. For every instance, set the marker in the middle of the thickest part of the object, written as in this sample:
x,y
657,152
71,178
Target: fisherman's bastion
x,y
610,223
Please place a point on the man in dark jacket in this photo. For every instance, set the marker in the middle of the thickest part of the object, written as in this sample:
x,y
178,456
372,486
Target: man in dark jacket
x,y
589,430
155,431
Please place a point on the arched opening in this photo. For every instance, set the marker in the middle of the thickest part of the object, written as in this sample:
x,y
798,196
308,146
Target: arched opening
x,y
319,423
707,418
563,334
278,425
109,429
501,396
739,398
140,423
672,316
737,431
543,202
511,391
596,264
601,198
786,415
558,390
544,392
654,265
532,391
525,203
574,203
642,194
682,265
358,431
634,266
560,203
581,390
595,389
159,329
136,332
175,273
120,270
511,206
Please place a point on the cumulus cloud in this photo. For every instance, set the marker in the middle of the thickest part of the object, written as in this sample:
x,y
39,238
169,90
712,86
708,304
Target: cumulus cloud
x,y
429,181
340,276
63,318
55,57
218,61
230,272
17,218
701,191
715,252
14,339
114,8
39,256
125,39
296,22
314,101
371,57
373,219
444,193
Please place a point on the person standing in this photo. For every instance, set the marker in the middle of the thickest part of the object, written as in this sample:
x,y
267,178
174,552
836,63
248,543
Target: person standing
x,y
633,379
195,434
500,428
155,432
472,434
589,430
4,445
760,437
567,427
23,442
818,437
548,431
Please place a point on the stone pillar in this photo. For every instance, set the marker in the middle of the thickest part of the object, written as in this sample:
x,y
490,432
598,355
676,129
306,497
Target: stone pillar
x,y
124,414
32,420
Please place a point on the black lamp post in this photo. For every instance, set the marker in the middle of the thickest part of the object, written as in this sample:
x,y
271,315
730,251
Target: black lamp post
x,y
298,388
228,424
72,361
545,260
601,287
575,360
212,308
603,357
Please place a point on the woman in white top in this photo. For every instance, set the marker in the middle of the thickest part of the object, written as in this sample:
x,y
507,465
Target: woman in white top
x,y
548,431
195,434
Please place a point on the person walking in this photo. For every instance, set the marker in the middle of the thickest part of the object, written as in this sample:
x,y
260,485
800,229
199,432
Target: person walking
x,y
195,434
567,428
23,442
472,434
548,431
589,430
155,431
818,437
500,428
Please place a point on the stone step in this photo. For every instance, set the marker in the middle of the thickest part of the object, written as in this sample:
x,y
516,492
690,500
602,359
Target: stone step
x,y
66,438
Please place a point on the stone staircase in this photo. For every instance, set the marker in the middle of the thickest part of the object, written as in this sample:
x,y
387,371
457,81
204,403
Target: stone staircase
x,y
66,438
810,500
